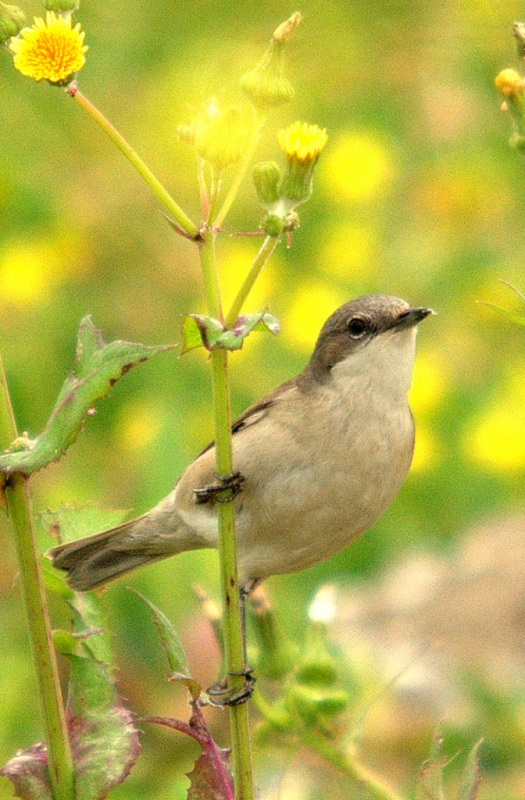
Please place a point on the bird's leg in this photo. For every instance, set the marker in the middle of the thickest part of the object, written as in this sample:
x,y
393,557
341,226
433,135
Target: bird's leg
x,y
219,694
233,482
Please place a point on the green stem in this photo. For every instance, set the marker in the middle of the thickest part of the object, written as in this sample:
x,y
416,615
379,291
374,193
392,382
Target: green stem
x,y
232,627
267,248
18,499
173,208
241,172
344,761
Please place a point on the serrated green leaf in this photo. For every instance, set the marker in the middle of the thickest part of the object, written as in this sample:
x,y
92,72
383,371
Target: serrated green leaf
x,y
471,777
97,367
104,741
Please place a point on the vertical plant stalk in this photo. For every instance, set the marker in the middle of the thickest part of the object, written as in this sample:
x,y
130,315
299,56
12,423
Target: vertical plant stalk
x,y
173,208
18,498
232,627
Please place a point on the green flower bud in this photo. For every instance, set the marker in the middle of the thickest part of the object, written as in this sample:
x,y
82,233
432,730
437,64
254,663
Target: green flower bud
x,y
273,225
313,703
12,21
221,135
318,672
266,179
265,84
61,6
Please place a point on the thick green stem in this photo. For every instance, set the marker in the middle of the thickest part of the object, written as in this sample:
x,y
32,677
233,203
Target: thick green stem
x,y
267,248
19,507
173,208
232,627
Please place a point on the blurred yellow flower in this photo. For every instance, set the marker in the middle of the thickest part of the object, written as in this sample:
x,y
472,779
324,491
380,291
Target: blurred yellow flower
x,y
358,168
498,440
50,50
302,142
428,384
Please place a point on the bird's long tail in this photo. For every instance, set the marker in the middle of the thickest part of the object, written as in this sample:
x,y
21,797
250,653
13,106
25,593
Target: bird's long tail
x,y
100,558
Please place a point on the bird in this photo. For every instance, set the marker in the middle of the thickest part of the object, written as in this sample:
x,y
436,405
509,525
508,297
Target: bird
x,y
317,461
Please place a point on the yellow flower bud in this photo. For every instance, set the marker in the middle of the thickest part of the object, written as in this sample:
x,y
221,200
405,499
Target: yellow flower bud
x,y
220,135
509,82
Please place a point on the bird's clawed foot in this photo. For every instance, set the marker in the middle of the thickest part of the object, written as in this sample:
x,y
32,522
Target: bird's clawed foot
x,y
232,482
221,695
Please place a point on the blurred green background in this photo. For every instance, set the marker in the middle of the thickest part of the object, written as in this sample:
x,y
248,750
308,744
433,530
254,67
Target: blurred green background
x,y
417,194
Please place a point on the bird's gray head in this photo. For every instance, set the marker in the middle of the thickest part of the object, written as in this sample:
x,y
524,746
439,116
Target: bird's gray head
x,y
374,318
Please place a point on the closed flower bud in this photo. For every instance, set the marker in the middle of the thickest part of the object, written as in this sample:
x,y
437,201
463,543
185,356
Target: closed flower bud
x,y
509,82
265,84
273,225
266,179
311,703
12,21
220,135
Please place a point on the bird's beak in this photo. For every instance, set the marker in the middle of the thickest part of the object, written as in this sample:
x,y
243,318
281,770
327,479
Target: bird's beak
x,y
410,317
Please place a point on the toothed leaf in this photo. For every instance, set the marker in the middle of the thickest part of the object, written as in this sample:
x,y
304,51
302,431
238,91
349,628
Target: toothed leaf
x,y
97,367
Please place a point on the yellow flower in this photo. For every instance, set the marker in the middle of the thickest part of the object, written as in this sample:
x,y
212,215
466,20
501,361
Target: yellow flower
x,y
302,142
509,82
50,50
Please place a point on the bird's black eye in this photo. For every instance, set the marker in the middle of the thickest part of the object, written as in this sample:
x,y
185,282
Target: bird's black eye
x,y
357,327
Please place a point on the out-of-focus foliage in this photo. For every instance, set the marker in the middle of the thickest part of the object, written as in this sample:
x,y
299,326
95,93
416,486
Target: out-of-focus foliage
x,y
416,194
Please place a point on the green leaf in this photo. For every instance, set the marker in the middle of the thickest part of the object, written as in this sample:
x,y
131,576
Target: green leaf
x,y
471,777
104,741
173,648
517,318
97,367
233,339
200,331
168,636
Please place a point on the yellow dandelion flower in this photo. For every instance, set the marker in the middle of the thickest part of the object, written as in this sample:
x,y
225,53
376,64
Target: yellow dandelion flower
x,y
302,141
50,50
